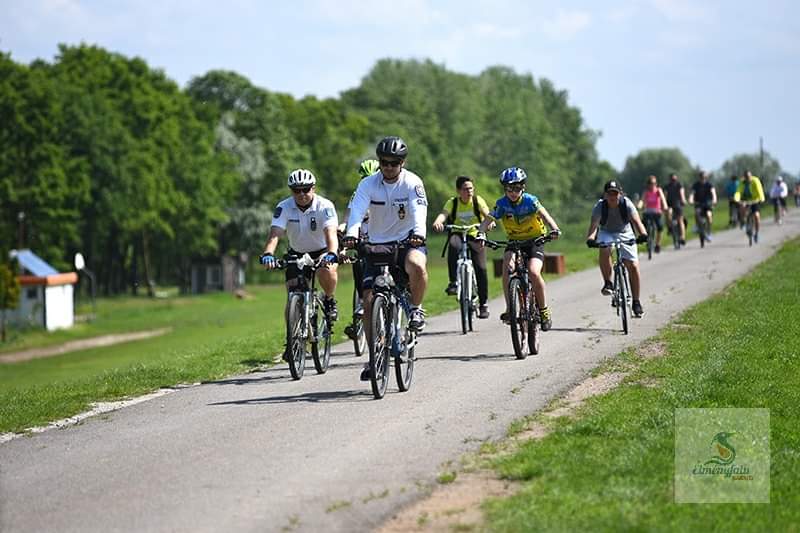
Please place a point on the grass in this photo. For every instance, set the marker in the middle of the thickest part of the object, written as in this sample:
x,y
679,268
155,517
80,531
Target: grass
x,y
611,468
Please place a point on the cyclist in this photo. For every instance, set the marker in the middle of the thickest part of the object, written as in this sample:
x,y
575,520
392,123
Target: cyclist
x,y
367,167
778,194
614,217
733,204
703,197
310,222
398,207
751,195
523,218
797,194
654,204
676,199
466,209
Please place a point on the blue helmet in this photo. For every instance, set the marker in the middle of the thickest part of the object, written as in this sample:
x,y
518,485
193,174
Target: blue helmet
x,y
513,175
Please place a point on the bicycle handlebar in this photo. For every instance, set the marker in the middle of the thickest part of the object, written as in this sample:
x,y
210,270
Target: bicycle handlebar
x,y
460,228
538,241
612,243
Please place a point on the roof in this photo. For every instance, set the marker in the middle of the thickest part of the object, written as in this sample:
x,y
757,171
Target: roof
x,y
33,263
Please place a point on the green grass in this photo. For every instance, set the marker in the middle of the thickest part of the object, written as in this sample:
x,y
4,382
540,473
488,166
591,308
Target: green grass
x,y
611,468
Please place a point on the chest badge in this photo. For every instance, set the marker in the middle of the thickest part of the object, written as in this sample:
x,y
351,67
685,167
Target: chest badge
x,y
313,224
401,211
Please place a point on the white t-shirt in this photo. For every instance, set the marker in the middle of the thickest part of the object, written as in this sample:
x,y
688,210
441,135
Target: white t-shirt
x,y
779,190
304,229
395,209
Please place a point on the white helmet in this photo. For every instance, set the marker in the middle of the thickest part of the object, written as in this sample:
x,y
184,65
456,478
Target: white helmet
x,y
301,178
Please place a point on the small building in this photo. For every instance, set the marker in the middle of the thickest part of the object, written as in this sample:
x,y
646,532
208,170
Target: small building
x,y
46,296
226,273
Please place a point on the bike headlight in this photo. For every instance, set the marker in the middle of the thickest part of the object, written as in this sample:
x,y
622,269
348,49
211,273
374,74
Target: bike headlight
x,y
381,281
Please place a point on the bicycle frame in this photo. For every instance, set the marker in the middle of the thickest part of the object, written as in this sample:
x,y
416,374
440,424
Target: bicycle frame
x,y
467,292
622,297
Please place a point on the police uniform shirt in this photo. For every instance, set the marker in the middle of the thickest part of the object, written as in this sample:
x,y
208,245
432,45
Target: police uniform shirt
x,y
305,229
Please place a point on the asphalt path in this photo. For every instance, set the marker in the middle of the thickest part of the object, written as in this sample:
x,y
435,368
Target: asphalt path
x,y
261,452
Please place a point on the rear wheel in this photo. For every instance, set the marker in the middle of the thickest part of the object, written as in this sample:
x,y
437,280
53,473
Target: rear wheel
x,y
464,297
380,346
516,315
533,327
404,361
321,345
295,341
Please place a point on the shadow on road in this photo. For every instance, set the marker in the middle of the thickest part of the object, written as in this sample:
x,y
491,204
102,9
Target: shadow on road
x,y
308,397
476,358
589,330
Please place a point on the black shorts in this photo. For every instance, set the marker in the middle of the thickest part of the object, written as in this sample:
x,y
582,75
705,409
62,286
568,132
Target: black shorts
x,y
754,208
397,261
292,273
533,251
706,208
781,201
656,218
677,210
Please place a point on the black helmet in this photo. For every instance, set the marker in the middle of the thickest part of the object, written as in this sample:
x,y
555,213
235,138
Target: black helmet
x,y
392,147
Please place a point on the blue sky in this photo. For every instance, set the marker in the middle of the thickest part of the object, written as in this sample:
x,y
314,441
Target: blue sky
x,y
708,77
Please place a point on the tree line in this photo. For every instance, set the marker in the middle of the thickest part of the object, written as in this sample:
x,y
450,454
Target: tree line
x,y
99,153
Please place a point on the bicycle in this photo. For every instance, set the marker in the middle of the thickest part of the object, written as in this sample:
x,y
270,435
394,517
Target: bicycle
x,y
355,330
675,229
703,226
750,224
523,312
390,336
621,297
466,282
307,323
651,226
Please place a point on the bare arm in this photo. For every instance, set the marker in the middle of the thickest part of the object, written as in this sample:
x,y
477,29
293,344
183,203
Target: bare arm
x,y
275,233
549,220
331,239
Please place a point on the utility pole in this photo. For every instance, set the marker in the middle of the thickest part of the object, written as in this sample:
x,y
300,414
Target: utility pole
x,y
20,230
761,157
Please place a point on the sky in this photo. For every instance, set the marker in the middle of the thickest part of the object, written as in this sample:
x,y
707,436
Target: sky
x,y
710,77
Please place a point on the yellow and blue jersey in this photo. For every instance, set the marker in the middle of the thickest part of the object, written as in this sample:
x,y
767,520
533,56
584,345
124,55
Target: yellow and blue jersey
x,y
521,220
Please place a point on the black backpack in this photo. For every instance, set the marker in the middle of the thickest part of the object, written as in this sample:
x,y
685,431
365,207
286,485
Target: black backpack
x,y
623,211
452,217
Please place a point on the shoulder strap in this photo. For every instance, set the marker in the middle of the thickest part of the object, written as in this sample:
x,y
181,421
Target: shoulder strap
x,y
603,212
623,211
452,217
476,210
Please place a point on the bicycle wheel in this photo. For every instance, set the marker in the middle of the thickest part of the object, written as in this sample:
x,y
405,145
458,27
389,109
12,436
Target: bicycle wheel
x,y
473,301
360,340
464,299
516,315
533,327
676,233
295,340
701,226
651,238
622,296
749,229
404,361
379,348
321,335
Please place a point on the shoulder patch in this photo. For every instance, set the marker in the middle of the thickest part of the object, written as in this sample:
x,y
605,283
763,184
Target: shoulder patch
x,y
278,211
420,190
328,212
420,201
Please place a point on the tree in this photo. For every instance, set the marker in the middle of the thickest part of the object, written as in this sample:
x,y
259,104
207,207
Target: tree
x,y
660,162
9,295
737,165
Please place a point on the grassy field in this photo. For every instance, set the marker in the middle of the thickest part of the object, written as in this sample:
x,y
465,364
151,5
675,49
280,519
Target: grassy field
x,y
611,467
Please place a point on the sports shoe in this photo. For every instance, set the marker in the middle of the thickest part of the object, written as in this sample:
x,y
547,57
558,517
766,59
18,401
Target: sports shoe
x,y
452,288
285,355
365,373
359,312
708,237
350,331
545,319
683,242
331,309
416,322
755,238
608,288
504,317
483,311
637,309
658,248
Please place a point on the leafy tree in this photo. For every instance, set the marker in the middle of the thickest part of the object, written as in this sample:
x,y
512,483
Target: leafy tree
x,y
660,162
769,170
9,295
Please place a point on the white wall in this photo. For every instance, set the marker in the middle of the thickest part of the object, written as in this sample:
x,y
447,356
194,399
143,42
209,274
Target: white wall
x,y
59,307
30,310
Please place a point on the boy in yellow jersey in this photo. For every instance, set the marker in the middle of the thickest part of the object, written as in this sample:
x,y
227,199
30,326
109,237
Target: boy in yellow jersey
x,y
523,218
466,209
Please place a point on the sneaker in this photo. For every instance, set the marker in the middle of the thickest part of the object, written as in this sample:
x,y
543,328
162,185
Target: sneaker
x,y
658,248
359,312
504,317
451,289
683,242
637,309
708,238
483,311
365,373
608,288
755,238
416,321
350,331
546,321
331,309
285,355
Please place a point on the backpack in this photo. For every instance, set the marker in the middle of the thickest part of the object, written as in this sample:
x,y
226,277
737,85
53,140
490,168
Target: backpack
x,y
623,211
452,217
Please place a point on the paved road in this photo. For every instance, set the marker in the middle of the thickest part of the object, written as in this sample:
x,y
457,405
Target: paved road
x,y
261,452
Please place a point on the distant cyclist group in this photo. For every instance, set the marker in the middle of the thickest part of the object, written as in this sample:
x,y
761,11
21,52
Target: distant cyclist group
x,y
384,237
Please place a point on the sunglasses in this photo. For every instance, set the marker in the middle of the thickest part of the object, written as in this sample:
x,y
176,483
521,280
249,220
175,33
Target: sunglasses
x,y
514,188
391,163
304,190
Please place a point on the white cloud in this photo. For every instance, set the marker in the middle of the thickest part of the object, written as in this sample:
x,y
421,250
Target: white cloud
x,y
494,31
681,10
566,24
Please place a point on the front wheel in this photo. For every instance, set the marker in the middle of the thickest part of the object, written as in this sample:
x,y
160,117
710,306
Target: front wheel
x,y
359,335
516,315
464,296
622,297
651,238
321,344
380,347
295,337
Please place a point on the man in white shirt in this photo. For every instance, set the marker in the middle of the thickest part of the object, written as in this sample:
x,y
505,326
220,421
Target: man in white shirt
x,y
778,195
398,208
310,222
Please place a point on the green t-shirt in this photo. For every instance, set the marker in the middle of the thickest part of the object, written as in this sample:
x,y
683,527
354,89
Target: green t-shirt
x,y
465,212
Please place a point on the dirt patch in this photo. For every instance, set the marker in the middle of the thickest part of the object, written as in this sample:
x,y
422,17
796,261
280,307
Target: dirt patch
x,y
83,344
594,386
652,350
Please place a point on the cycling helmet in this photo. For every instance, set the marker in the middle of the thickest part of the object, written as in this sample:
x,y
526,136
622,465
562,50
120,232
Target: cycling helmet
x,y
392,147
513,175
301,178
368,167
